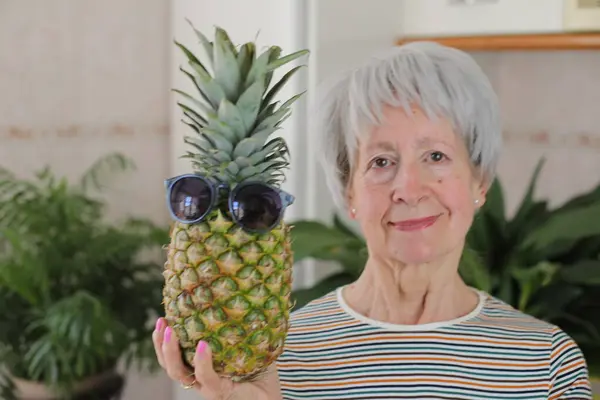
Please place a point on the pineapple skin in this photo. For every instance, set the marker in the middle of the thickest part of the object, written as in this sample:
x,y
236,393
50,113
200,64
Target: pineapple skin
x,y
223,285
231,289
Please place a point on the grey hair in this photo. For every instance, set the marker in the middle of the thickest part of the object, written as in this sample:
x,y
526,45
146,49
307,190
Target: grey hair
x,y
440,80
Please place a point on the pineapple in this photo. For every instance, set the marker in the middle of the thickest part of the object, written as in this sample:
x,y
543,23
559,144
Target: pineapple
x,y
223,284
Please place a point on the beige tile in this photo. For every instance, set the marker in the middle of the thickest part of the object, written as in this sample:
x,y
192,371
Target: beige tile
x,y
554,92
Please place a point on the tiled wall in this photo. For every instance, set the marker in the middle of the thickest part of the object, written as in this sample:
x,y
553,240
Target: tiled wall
x,y
550,103
79,79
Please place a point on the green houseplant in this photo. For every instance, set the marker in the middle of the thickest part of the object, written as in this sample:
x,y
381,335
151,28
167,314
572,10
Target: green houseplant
x,y
543,261
76,292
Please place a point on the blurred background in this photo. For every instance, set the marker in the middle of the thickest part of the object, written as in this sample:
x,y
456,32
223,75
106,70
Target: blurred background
x,y
81,79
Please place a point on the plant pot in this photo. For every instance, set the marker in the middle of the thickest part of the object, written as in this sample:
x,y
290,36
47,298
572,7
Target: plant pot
x,y
105,386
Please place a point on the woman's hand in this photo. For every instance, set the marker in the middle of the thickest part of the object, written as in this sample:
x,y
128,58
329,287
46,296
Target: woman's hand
x,y
204,379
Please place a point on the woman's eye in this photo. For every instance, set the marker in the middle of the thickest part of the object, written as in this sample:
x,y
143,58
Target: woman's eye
x,y
437,156
380,163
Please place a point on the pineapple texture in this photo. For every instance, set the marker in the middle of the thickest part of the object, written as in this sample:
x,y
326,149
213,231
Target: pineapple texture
x,y
224,285
232,290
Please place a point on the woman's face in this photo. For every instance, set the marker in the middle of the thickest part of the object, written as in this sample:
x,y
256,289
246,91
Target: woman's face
x,y
413,189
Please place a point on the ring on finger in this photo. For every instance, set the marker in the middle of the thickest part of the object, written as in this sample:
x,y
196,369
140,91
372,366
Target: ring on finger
x,y
191,385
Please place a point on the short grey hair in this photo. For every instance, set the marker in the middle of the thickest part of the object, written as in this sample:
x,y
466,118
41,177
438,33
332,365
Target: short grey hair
x,y
440,80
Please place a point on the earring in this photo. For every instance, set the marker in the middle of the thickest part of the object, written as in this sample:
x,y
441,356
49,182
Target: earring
x,y
354,211
476,201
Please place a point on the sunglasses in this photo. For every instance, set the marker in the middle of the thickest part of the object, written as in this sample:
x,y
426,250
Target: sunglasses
x,y
254,206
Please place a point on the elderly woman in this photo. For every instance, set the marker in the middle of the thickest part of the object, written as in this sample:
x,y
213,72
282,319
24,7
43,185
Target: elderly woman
x,y
411,143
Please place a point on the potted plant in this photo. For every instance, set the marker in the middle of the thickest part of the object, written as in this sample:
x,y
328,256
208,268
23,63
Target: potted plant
x,y
543,261
76,292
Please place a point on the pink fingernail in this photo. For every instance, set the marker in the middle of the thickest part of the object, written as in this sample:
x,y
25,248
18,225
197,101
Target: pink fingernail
x,y
159,324
168,332
201,347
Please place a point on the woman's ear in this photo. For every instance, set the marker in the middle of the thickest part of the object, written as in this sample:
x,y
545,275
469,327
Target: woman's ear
x,y
352,213
481,186
350,204
350,209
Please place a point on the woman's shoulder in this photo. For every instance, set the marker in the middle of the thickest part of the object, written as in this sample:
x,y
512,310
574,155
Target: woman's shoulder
x,y
496,312
567,365
504,319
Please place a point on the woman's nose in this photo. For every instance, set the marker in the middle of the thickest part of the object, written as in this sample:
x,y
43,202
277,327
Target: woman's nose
x,y
409,185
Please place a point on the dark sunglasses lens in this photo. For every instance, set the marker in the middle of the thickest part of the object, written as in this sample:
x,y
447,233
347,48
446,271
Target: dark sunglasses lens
x,y
257,207
190,198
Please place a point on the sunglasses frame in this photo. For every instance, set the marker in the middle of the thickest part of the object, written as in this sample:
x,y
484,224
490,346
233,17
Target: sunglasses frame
x,y
215,188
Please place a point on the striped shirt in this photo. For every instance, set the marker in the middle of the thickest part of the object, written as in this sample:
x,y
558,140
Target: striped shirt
x,y
495,352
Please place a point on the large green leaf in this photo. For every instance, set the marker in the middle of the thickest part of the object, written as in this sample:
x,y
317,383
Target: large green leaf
x,y
505,287
311,237
531,279
560,252
538,214
585,272
587,248
351,256
474,272
478,237
573,225
527,203
486,237
591,197
550,301
494,203
19,271
587,332
341,226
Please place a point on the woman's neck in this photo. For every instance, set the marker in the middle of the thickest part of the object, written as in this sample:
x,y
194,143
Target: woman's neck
x,y
410,294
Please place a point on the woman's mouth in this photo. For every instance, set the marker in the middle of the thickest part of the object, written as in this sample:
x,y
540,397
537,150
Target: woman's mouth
x,y
414,224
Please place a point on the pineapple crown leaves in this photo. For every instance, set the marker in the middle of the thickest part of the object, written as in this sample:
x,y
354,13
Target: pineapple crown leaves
x,y
234,112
